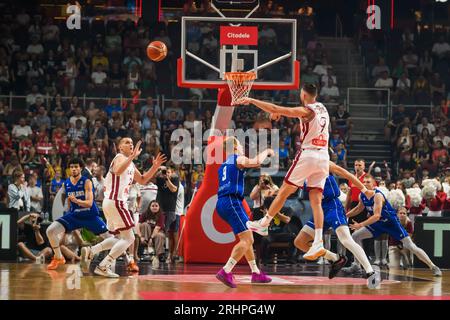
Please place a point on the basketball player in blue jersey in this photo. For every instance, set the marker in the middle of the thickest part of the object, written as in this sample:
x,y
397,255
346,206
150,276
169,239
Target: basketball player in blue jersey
x,y
229,207
83,212
382,219
334,217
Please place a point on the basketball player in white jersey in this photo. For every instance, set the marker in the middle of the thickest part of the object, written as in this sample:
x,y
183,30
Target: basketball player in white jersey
x,y
311,164
122,172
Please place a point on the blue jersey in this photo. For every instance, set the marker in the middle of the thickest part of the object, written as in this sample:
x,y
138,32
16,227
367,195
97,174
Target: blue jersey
x,y
231,178
387,212
330,193
78,190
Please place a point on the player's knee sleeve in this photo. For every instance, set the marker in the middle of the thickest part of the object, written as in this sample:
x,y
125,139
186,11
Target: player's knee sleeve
x,y
127,235
106,235
55,229
344,236
408,244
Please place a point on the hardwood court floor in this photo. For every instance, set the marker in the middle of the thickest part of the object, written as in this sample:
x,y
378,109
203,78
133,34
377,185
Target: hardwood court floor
x,y
178,281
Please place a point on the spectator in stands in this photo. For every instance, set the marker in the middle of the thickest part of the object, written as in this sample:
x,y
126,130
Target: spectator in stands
x,y
321,69
77,132
55,184
99,78
379,69
113,106
403,88
341,121
36,195
153,228
422,151
33,245
426,125
438,151
330,92
150,104
21,130
78,116
12,166
342,155
310,77
411,61
421,90
33,95
426,63
440,48
407,163
437,88
398,70
175,107
405,142
383,82
441,136
18,196
41,118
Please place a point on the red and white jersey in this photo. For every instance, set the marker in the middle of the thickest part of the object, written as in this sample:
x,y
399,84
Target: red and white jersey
x,y
117,187
314,132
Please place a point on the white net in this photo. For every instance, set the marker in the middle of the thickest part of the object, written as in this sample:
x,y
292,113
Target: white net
x,y
240,84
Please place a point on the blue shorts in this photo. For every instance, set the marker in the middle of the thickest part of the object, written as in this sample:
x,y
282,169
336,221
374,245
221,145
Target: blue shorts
x,y
74,220
391,226
232,211
333,216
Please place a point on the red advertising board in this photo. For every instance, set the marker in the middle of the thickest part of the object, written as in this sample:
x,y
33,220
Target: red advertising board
x,y
247,36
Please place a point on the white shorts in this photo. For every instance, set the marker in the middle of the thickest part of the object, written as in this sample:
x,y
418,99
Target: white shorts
x,y
311,166
118,217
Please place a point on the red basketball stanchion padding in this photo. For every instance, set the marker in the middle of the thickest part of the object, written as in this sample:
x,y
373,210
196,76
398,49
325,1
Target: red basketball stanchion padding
x,y
207,238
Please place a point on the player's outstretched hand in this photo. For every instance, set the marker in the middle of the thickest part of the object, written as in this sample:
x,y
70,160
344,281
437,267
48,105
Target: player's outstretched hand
x,y
159,160
270,152
244,101
137,149
355,225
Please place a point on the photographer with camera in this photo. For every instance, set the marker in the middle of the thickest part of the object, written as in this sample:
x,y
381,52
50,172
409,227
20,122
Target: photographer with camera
x,y
32,244
168,182
264,189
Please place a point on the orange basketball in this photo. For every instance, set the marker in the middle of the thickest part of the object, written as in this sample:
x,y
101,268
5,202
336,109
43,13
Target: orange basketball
x,y
156,50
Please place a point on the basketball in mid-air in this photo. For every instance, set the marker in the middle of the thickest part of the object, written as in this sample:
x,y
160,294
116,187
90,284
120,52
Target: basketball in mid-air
x,y
156,50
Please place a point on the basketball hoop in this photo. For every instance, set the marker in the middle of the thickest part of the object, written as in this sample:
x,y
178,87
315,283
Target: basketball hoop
x,y
240,84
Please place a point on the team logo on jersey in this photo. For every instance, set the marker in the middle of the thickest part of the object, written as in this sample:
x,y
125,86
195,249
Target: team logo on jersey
x,y
319,141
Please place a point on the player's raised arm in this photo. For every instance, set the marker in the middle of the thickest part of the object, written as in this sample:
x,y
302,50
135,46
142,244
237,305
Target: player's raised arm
x,y
122,162
296,112
341,172
88,194
143,179
244,162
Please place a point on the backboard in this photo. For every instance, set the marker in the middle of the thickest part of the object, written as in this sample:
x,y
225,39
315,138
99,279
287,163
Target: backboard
x,y
211,46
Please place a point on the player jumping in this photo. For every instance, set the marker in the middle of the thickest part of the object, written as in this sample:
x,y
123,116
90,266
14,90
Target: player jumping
x,y
383,219
311,163
122,172
229,207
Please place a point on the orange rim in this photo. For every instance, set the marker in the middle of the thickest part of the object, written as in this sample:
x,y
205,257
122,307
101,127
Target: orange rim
x,y
240,76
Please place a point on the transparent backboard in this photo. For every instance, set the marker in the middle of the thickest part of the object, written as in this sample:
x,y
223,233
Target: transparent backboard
x,y
212,46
